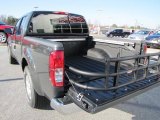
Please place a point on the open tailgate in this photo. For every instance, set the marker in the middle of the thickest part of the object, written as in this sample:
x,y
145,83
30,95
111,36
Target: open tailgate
x,y
97,85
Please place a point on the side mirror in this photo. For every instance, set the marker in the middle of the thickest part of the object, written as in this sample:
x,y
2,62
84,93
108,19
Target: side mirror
x,y
8,30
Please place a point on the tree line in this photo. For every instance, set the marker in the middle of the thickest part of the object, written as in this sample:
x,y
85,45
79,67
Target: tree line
x,y
117,26
128,27
9,20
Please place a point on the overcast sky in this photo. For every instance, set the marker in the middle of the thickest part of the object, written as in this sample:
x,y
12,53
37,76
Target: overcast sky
x,y
120,12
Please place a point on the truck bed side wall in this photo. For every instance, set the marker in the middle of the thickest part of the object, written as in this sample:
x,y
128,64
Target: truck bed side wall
x,y
36,51
114,49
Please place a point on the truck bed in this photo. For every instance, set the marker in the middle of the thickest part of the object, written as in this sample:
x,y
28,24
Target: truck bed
x,y
123,86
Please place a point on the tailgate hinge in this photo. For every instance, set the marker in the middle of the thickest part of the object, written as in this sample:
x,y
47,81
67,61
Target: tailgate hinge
x,y
79,97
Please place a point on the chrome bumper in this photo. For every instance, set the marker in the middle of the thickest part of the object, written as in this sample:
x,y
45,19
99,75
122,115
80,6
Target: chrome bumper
x,y
63,108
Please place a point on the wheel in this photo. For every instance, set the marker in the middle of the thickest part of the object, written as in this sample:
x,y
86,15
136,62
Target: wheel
x,y
34,100
12,60
125,36
3,37
111,35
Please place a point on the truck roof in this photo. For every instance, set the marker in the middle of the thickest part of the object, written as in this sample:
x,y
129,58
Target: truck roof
x,y
56,12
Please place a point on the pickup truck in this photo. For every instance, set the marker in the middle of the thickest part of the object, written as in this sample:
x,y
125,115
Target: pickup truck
x,y
63,63
3,34
117,32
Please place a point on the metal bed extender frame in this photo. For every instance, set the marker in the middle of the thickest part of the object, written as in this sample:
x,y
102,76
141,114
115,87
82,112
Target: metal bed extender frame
x,y
137,66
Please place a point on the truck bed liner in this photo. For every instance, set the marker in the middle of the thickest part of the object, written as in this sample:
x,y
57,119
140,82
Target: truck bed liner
x,y
94,100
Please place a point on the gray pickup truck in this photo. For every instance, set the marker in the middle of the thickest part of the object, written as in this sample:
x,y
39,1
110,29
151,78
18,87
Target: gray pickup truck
x,y
63,63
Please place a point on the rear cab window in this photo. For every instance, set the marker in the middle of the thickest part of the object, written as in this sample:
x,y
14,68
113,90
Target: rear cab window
x,y
55,23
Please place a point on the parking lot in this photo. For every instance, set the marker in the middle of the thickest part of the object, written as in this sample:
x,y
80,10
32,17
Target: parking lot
x,y
13,102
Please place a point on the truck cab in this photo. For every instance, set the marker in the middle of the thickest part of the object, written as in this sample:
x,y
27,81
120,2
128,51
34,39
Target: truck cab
x,y
117,32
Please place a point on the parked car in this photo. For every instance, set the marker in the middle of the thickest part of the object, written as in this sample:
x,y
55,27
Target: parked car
x,y
153,43
61,62
117,32
3,34
153,36
139,35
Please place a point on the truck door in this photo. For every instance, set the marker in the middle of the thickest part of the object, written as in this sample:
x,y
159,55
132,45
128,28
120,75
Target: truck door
x,y
14,38
19,38
17,42
119,32
114,32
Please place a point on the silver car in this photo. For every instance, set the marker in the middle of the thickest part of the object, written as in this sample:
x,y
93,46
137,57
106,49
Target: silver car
x,y
154,43
139,35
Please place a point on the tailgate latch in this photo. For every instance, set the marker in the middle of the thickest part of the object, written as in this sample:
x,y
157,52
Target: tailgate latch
x,y
79,97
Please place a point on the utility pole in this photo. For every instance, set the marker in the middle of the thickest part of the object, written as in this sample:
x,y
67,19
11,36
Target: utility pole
x,y
99,22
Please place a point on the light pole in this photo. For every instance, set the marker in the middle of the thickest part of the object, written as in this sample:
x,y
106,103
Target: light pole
x,y
99,22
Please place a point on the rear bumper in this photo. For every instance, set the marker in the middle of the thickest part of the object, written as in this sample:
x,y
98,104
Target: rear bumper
x,y
62,105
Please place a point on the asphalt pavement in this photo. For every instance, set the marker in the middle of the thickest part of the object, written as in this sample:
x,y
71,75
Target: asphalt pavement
x,y
13,101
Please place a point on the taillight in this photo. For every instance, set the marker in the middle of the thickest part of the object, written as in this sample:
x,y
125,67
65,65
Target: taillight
x,y
145,51
56,68
60,12
145,48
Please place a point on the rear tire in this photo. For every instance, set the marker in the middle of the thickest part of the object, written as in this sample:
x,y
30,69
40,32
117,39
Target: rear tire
x,y
3,37
34,100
